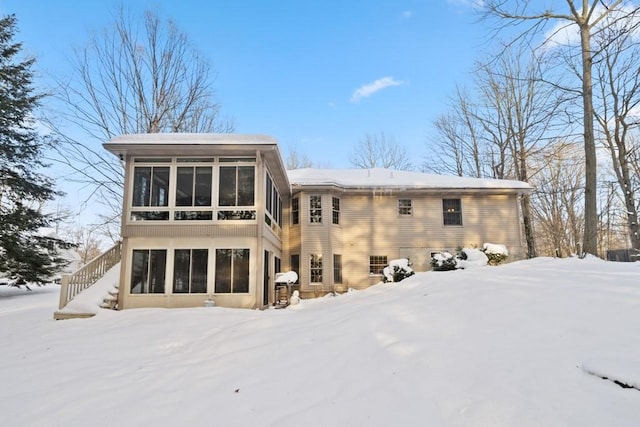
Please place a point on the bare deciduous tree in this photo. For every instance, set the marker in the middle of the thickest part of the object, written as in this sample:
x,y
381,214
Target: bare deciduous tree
x,y
380,151
131,78
458,145
556,202
586,15
295,160
618,95
495,135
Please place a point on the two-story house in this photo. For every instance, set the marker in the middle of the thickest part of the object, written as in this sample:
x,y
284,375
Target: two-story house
x,y
211,216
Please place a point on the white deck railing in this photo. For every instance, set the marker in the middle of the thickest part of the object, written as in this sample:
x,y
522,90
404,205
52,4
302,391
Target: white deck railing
x,y
73,284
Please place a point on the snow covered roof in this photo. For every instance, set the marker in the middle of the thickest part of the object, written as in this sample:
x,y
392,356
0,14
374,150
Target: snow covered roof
x,y
394,179
194,139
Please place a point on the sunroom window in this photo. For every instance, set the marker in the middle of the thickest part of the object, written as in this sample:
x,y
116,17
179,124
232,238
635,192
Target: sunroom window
x,y
148,268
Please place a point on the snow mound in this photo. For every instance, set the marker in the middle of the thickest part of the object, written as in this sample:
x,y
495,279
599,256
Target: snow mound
x,y
475,258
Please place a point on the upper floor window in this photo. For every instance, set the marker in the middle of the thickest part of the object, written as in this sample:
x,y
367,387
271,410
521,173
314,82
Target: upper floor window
x,y
193,186
335,205
295,211
273,202
236,186
151,186
404,207
315,209
377,263
182,188
452,211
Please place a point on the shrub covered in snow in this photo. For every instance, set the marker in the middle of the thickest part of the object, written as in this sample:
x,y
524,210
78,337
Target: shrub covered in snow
x,y
444,261
496,254
397,270
472,258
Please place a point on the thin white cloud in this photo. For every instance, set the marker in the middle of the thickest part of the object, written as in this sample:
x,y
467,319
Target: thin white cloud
x,y
371,88
407,14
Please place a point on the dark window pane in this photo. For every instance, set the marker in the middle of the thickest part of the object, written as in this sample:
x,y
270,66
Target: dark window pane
x,y
199,260
160,187
246,183
203,186
267,192
295,213
184,187
157,266
141,186
139,271
241,271
452,211
227,189
337,269
223,271
181,264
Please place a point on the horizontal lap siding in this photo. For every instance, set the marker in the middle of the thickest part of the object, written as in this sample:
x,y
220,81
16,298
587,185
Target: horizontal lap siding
x,y
371,225
190,230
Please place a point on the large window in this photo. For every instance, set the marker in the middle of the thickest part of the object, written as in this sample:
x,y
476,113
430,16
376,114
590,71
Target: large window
x,y
337,269
193,189
335,210
193,186
191,183
151,189
295,265
236,186
232,271
190,271
295,211
404,207
148,268
151,186
273,202
452,211
315,209
377,263
316,268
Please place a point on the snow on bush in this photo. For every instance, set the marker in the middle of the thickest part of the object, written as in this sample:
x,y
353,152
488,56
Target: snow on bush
x,y
473,258
397,270
495,253
444,261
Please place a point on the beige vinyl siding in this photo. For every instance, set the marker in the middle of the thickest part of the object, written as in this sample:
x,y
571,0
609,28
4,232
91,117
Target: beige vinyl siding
x,y
315,239
163,229
371,225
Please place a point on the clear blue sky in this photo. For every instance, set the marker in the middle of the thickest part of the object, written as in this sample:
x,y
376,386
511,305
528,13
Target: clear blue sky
x,y
292,69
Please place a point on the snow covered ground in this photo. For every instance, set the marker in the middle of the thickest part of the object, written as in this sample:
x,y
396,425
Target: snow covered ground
x,y
524,344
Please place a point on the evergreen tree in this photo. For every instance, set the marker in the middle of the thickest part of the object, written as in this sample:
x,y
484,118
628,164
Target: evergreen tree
x,y
24,253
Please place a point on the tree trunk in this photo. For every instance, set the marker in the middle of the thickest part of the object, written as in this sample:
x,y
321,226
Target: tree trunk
x,y
590,238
